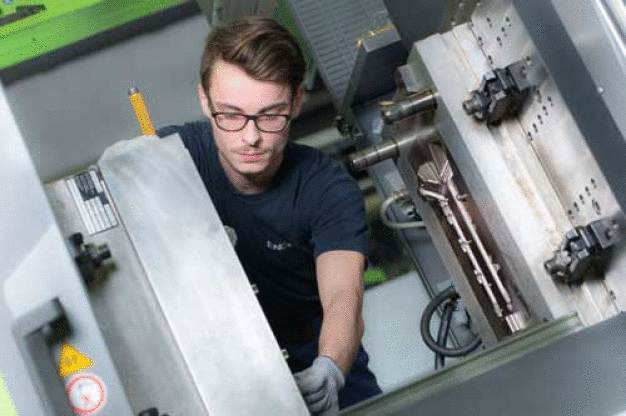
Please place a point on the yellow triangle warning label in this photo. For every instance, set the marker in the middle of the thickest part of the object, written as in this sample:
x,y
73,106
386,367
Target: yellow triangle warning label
x,y
72,361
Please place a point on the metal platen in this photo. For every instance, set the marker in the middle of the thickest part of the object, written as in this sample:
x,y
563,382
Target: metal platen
x,y
43,301
175,293
519,201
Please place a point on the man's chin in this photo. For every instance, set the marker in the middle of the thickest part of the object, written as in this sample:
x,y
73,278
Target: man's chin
x,y
251,169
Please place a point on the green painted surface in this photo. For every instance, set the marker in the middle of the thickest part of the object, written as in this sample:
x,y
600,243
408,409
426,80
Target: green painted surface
x,y
6,404
65,22
54,8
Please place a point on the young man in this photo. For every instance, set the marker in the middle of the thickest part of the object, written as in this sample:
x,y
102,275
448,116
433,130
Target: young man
x,y
296,216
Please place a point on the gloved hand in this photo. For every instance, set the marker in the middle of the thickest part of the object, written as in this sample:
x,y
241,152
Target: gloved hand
x,y
320,385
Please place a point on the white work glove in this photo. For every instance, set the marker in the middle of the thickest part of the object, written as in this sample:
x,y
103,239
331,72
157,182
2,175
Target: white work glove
x,y
320,385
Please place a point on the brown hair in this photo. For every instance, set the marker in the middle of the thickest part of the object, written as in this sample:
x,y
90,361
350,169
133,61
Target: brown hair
x,y
260,46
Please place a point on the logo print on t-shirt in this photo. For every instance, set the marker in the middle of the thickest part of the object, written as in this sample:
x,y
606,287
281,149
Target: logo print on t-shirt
x,y
277,246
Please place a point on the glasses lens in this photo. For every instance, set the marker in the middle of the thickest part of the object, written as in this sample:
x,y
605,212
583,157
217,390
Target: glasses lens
x,y
271,122
230,121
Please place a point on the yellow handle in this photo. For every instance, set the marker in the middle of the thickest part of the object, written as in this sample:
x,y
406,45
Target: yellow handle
x,y
141,112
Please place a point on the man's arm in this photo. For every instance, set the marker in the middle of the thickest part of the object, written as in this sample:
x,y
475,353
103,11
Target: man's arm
x,y
340,282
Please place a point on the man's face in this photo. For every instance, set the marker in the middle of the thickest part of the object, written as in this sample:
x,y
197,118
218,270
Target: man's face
x,y
248,152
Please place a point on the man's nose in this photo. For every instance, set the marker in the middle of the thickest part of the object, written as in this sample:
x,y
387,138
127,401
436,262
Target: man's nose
x,y
250,134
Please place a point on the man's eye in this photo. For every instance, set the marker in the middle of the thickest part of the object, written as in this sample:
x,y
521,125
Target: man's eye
x,y
231,117
269,117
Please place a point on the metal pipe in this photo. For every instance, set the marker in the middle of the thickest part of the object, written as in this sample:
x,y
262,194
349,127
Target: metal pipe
x,y
374,154
411,105
382,212
388,149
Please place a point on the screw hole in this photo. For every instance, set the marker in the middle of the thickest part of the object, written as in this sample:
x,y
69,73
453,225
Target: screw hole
x,y
593,183
596,206
576,207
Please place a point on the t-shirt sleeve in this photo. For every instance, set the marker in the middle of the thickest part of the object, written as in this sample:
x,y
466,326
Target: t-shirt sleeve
x,y
337,212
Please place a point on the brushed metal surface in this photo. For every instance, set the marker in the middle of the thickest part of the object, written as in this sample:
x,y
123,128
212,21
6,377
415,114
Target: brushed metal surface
x,y
582,44
560,149
535,176
511,202
203,292
556,369
131,320
36,267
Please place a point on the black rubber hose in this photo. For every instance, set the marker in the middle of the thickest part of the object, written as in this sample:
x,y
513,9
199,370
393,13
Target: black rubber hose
x,y
447,315
444,330
427,315
439,357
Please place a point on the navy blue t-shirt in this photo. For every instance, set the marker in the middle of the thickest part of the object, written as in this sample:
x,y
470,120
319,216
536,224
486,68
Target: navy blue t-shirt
x,y
312,206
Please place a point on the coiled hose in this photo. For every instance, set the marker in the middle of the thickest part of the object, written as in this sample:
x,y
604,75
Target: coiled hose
x,y
447,295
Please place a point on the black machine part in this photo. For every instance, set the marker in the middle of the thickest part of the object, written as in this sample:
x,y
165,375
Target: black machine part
x,y
501,94
153,411
584,248
88,257
35,333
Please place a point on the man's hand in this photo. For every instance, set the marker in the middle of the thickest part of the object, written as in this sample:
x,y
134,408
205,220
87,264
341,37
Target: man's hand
x,y
320,385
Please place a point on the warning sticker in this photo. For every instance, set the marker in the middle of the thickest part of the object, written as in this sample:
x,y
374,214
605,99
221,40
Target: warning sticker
x,y
87,394
72,361
92,199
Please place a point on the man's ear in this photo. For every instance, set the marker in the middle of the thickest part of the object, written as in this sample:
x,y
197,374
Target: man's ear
x,y
204,101
297,102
